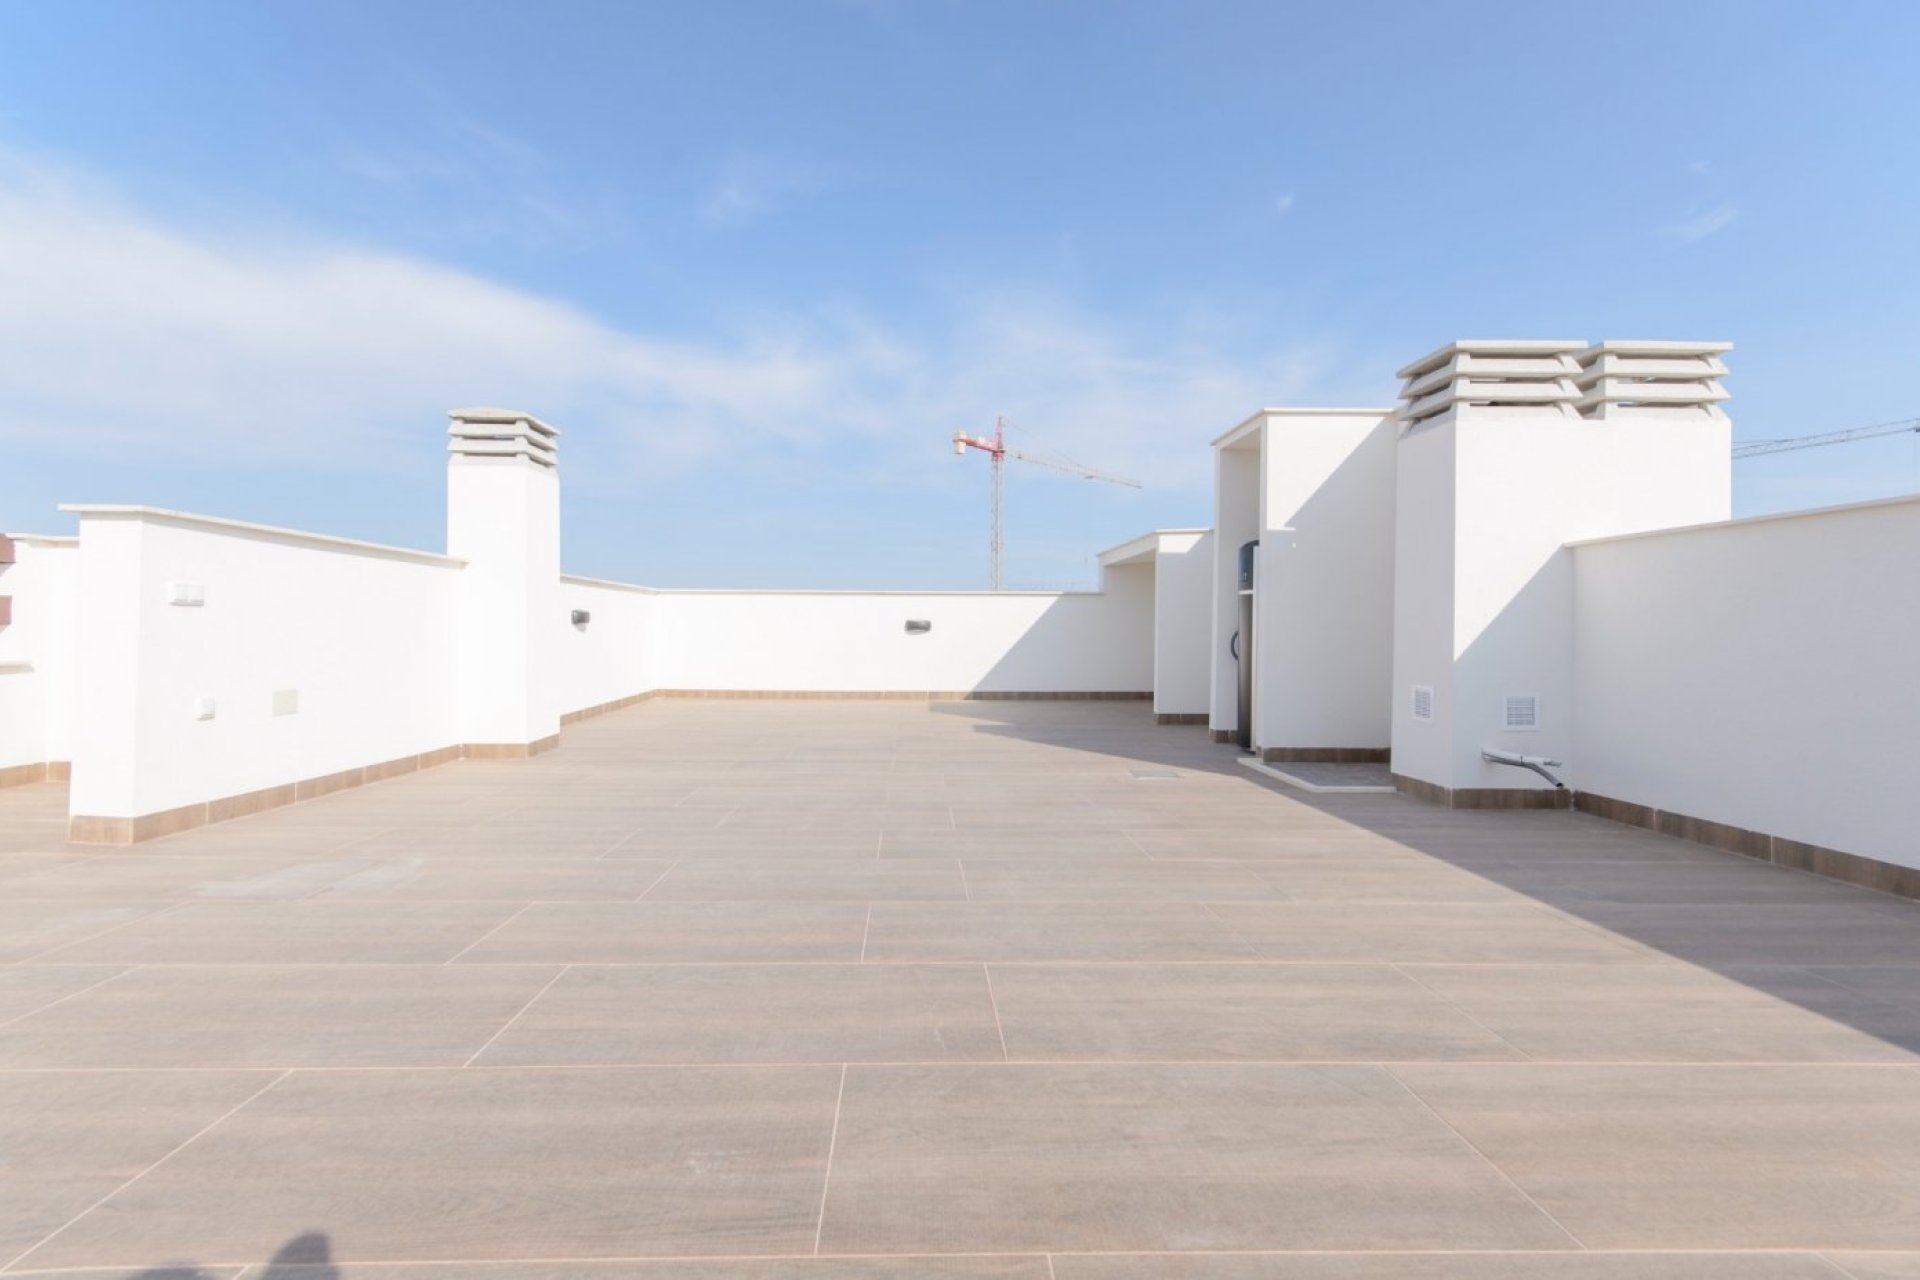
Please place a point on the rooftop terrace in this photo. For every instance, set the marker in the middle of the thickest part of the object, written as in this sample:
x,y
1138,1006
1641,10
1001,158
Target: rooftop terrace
x,y
931,991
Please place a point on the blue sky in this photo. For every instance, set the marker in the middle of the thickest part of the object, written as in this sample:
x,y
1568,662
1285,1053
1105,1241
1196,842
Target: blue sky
x,y
759,261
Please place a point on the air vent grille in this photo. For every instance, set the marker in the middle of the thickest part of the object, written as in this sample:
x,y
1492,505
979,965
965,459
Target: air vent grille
x,y
1423,702
1522,711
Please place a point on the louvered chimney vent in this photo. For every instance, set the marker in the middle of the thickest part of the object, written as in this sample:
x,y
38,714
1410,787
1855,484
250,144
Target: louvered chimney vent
x,y
502,433
1513,373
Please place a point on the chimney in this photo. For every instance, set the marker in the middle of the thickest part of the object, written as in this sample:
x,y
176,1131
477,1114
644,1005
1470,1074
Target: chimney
x,y
503,519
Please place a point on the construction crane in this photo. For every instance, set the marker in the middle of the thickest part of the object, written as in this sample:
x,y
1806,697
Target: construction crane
x,y
995,447
1760,448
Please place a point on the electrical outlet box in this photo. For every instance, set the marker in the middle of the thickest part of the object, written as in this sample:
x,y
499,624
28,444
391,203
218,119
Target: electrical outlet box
x,y
191,594
203,708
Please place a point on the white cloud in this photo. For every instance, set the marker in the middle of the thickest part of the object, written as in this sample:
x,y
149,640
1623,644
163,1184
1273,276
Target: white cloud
x,y
1700,167
1712,222
125,334
1283,205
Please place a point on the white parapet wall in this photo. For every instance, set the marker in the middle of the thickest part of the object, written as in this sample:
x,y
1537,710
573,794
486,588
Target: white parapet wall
x,y
36,657
218,659
1758,674
609,656
860,642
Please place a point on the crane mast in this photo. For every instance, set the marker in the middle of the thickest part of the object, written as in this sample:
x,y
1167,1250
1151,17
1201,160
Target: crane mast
x,y
995,447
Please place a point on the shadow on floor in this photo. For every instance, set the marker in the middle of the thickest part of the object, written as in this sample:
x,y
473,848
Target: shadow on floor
x,y
1848,954
305,1257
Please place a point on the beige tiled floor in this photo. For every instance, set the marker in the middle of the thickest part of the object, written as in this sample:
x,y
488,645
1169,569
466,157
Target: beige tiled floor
x,y
890,991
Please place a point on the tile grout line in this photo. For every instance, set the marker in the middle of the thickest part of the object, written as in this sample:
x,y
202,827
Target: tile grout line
x,y
1484,1157
987,973
826,1180
1234,933
204,1130
526,907
1463,1012
965,892
516,1017
1050,1274
165,910
92,986
655,882
866,931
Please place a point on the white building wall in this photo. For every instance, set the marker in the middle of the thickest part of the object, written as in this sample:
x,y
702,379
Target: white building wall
x,y
1183,624
1236,521
1324,588
361,636
36,653
613,655
857,641
1500,491
1758,673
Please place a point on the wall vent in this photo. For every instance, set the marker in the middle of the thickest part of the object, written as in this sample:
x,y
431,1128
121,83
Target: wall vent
x,y
1522,711
502,433
1423,702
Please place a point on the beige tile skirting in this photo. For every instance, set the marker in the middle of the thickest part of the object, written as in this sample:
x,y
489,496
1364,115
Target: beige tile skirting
x,y
1325,755
602,708
1181,717
1222,737
1853,868
21,775
1481,797
85,829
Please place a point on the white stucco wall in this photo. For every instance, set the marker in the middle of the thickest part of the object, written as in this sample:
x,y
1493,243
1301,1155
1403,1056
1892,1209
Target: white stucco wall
x,y
36,652
612,656
1759,673
1183,624
364,635
1236,521
1484,592
847,641
1324,590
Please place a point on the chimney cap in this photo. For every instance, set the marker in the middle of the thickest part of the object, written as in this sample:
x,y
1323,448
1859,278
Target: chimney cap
x,y
1491,347
486,414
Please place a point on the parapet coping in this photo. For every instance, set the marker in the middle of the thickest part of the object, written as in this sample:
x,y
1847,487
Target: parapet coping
x,y
1768,517
327,541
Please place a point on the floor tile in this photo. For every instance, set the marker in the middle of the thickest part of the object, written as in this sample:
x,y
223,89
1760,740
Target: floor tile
x,y
489,1165
276,1016
482,879
1126,880
28,929
1032,1268
652,932
146,875
1450,1266
756,1013
25,988
1013,931
1812,933
1402,933
70,1138
1230,1013
294,933
1678,1013
1145,1157
809,880
1713,1157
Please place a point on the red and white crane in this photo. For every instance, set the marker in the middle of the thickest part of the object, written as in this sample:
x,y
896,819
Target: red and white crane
x,y
995,447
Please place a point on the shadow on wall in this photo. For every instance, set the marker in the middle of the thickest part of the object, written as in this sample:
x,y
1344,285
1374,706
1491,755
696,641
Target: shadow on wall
x,y
305,1257
1816,943
1077,646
